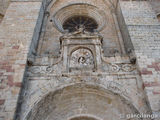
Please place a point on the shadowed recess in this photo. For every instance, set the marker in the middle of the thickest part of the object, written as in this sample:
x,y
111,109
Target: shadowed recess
x,y
75,22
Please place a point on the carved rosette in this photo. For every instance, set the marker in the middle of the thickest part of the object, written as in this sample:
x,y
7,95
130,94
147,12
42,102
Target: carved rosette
x,y
122,67
41,69
81,58
115,68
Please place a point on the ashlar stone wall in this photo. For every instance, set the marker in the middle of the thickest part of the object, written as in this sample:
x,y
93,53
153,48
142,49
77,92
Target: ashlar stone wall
x,y
144,30
52,92
49,92
16,32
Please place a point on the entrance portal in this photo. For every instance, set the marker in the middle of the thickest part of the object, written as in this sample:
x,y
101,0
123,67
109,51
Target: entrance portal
x,y
80,100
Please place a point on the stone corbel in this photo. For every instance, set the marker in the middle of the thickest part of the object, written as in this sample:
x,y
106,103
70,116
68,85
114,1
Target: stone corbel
x,y
30,61
47,13
132,56
31,57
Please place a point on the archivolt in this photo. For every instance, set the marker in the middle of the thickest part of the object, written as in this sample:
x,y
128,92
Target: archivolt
x,y
58,13
72,10
80,100
108,3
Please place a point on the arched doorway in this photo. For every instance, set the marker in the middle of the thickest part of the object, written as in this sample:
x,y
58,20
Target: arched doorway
x,y
81,100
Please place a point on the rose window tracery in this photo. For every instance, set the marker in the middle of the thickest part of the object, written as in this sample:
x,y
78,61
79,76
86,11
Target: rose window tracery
x,y
72,24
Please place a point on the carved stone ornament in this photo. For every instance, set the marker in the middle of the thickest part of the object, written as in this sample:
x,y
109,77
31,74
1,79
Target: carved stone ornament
x,y
41,69
128,68
115,68
118,88
122,67
81,58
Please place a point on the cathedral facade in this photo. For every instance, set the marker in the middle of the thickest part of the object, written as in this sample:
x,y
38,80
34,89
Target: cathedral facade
x,y
80,60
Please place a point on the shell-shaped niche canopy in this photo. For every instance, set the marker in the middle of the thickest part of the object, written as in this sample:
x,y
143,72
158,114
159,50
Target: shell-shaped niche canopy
x,y
74,16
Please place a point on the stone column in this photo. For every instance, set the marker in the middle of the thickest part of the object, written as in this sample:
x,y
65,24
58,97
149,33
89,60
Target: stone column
x,y
17,30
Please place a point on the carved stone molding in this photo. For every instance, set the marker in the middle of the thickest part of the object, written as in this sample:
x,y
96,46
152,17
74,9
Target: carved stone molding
x,y
117,88
79,62
79,9
41,69
122,67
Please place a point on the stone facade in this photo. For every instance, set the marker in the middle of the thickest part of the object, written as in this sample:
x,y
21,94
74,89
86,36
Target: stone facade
x,y
144,30
16,31
48,73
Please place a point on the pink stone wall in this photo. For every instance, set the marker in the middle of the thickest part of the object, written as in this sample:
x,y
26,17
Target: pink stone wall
x,y
144,30
16,31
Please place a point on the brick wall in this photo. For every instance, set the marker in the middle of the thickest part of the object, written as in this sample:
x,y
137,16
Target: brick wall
x,y
16,31
144,30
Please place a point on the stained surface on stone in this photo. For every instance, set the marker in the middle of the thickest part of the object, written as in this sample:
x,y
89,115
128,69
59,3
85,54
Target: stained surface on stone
x,y
105,68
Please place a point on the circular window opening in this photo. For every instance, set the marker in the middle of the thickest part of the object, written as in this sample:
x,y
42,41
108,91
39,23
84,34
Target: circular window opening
x,y
74,23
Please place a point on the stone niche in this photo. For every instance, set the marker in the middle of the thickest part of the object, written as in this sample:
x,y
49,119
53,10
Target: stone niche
x,y
81,51
79,10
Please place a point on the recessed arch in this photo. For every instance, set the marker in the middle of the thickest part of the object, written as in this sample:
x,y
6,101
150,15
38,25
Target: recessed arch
x,y
80,100
101,11
72,10
108,3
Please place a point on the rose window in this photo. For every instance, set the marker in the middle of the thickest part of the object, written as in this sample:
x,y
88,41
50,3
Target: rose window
x,y
74,23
